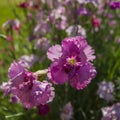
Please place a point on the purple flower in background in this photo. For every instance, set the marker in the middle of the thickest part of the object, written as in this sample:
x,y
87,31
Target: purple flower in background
x,y
112,23
83,11
58,13
105,90
42,44
112,112
118,40
14,24
76,30
58,17
28,60
41,28
67,112
71,61
6,88
115,5
26,88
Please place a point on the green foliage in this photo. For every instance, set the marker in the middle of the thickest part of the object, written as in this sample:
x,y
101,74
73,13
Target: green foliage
x,y
86,102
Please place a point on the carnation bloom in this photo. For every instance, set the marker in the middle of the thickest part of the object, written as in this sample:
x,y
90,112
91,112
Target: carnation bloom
x,y
71,61
42,26
26,88
105,90
111,113
67,112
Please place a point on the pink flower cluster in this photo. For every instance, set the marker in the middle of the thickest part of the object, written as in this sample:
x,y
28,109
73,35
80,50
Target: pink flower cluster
x,y
24,85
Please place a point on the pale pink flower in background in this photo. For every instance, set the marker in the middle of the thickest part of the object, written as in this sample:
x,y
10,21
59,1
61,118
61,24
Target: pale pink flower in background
x,y
28,60
112,23
14,24
41,28
42,43
67,112
76,30
105,90
118,40
58,17
111,113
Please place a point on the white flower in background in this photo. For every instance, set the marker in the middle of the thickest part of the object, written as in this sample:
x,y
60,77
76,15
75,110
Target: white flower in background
x,y
67,112
105,90
76,30
111,113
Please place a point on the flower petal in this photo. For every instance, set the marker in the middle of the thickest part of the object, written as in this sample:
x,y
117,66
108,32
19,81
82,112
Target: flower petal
x,y
15,69
83,76
54,52
57,74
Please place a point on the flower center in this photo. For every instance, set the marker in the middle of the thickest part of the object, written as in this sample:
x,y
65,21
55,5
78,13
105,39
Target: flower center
x,y
27,84
71,61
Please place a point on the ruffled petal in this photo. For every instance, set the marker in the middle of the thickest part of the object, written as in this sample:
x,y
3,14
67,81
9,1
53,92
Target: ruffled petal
x,y
83,76
54,52
57,74
15,69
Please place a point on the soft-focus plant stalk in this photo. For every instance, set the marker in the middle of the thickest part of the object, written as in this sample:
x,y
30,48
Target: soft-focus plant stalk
x,y
41,72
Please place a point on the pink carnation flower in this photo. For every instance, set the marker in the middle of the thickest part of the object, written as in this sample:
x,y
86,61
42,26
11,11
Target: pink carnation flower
x,y
26,88
71,61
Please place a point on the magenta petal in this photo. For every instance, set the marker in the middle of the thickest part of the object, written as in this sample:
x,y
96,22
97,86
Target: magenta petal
x,y
73,45
17,80
57,74
54,52
15,69
42,93
83,76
